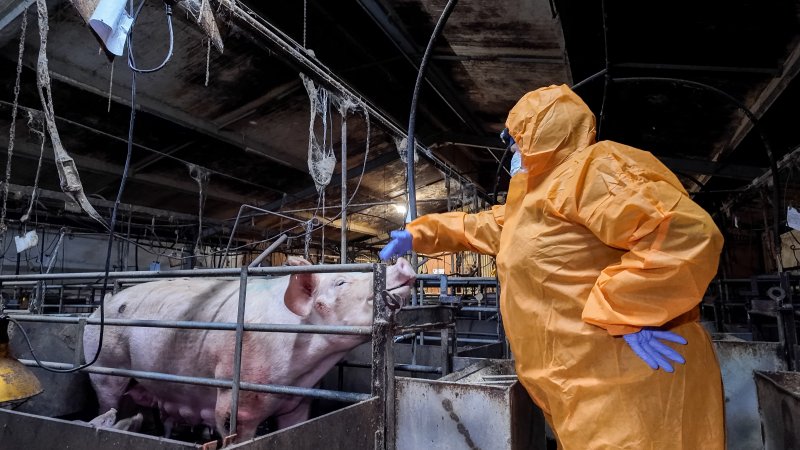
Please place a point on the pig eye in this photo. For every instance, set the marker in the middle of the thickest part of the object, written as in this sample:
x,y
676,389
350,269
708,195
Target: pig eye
x,y
340,282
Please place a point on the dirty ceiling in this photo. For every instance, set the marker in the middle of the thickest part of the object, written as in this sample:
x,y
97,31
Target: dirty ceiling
x,y
240,117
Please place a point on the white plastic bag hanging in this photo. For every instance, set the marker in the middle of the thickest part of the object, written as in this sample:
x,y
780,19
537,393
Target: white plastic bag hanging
x,y
112,24
29,240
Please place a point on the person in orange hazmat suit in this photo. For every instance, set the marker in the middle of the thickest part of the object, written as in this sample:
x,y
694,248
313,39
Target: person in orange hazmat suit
x,y
602,256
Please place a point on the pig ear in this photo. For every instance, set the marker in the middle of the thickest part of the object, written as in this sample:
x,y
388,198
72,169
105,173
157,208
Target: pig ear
x,y
297,261
299,293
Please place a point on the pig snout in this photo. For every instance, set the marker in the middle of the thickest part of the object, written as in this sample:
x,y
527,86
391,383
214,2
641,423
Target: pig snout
x,y
400,278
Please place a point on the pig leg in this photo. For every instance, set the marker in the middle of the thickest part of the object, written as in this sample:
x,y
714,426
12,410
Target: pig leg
x,y
109,389
169,424
295,416
253,409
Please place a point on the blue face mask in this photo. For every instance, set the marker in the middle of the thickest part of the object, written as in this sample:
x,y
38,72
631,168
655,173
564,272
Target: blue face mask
x,y
516,163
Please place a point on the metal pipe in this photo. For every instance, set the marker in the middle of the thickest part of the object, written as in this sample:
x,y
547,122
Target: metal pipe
x,y
60,306
404,367
187,325
283,270
239,216
475,333
237,353
411,139
464,340
776,71
356,205
281,239
78,355
382,357
457,280
12,284
343,187
477,309
350,397
589,79
499,377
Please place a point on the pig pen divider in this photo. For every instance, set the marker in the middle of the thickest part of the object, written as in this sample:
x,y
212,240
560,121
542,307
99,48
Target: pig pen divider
x,y
380,333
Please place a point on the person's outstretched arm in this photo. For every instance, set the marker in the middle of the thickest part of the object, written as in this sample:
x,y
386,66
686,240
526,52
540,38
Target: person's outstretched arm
x,y
450,232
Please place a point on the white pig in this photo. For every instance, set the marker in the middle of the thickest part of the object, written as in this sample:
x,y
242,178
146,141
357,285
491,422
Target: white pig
x,y
293,359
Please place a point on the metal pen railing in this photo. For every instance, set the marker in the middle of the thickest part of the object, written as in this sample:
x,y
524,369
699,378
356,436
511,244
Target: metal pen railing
x,y
380,333
444,284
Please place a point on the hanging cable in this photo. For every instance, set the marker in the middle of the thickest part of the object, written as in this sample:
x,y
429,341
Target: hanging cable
x,y
13,125
607,78
412,120
113,222
42,138
500,167
131,62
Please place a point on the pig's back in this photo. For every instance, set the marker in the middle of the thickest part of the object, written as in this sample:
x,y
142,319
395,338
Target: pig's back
x,y
202,300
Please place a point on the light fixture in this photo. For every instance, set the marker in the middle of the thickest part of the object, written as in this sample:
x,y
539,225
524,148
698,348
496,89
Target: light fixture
x,y
17,382
400,208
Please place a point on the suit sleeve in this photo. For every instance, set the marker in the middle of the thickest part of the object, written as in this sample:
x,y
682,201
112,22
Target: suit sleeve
x,y
671,245
458,231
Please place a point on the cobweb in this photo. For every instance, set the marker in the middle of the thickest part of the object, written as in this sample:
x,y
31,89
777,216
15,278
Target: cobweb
x,y
321,158
402,148
201,176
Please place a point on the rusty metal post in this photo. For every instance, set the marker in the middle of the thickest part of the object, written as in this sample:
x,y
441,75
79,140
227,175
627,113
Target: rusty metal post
x,y
446,357
256,262
237,355
61,299
78,357
382,360
35,304
786,321
343,243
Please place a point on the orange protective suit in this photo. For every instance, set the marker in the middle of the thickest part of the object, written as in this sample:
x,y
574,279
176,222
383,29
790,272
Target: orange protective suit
x,y
597,240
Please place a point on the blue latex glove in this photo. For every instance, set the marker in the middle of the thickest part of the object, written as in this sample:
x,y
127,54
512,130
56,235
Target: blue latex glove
x,y
645,343
399,245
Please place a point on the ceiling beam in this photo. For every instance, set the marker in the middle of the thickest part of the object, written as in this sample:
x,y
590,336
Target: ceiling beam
x,y
384,16
92,165
336,180
275,94
156,157
515,59
351,226
162,109
771,71
765,99
466,140
712,168
19,192
148,161
11,11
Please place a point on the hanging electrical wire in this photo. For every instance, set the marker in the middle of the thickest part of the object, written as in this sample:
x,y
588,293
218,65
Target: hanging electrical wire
x,y
412,120
131,59
42,136
13,126
123,179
